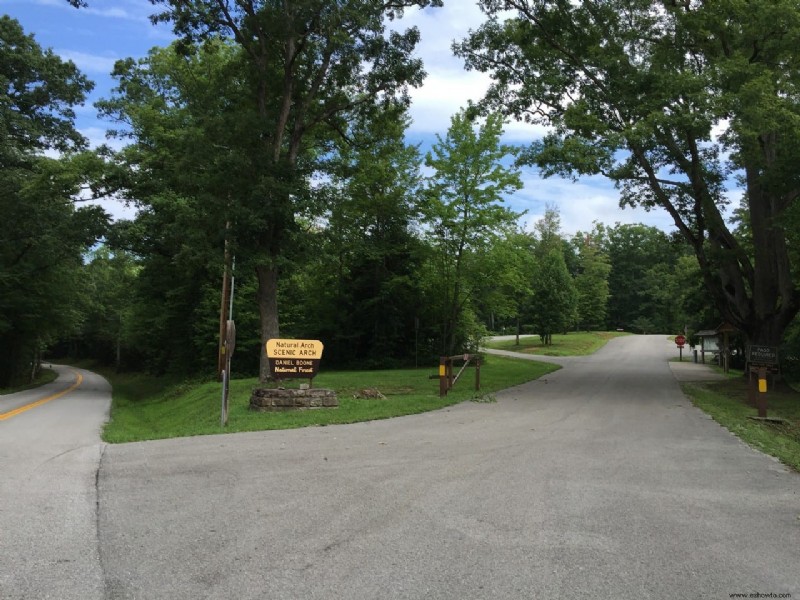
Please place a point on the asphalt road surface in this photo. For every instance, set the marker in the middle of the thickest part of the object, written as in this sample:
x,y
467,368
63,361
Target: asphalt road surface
x,y
599,481
49,455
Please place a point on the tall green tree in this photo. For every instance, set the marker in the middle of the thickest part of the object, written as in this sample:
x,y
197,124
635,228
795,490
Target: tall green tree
x,y
504,297
42,234
547,231
636,89
554,301
109,279
190,155
639,256
360,286
464,216
591,282
312,67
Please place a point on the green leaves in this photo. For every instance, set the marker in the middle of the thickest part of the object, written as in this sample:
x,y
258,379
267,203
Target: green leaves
x,y
637,90
463,215
38,93
42,234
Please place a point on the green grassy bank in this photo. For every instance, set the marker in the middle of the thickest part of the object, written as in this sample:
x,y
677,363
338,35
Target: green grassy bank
x,y
726,402
147,408
579,343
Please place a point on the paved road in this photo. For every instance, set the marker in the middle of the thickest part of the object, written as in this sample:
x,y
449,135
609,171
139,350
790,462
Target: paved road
x,y
598,481
49,456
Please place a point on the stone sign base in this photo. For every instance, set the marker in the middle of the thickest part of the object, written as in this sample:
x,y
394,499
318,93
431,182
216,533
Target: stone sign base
x,y
270,399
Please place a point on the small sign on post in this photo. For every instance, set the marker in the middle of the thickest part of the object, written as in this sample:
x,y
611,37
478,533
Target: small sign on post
x,y
762,359
763,356
680,341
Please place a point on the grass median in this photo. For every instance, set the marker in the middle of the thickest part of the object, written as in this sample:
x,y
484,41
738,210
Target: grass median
x,y
147,408
578,343
726,402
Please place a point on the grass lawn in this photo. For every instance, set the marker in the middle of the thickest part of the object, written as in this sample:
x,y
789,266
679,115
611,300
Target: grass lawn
x,y
146,408
579,343
45,376
726,402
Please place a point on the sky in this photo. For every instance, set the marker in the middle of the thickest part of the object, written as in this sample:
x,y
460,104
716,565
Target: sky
x,y
108,30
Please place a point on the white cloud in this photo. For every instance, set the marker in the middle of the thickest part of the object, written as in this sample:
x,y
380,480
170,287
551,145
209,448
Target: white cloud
x,y
115,12
97,137
442,96
117,209
580,204
89,63
447,88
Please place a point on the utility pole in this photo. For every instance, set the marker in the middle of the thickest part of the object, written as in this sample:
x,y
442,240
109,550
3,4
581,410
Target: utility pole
x,y
224,304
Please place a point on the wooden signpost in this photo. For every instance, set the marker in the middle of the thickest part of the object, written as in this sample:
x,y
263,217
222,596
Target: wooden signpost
x,y
761,360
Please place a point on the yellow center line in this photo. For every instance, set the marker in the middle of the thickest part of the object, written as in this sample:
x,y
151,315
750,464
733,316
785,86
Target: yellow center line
x,y
22,409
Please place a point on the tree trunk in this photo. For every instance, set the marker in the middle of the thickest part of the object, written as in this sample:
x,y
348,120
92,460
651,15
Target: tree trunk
x,y
775,301
267,297
118,354
37,359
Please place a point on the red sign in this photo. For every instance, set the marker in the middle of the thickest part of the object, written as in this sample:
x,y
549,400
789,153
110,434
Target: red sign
x,y
680,340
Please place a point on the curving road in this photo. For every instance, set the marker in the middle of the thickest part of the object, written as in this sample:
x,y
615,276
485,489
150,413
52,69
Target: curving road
x,y
599,481
49,456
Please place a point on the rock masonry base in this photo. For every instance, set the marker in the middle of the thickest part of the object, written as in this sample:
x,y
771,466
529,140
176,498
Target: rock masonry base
x,y
266,399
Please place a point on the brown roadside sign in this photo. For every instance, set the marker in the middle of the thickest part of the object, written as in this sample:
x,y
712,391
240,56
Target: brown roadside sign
x,y
763,356
293,358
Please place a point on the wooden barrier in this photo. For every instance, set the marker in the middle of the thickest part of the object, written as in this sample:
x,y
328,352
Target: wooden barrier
x,y
446,378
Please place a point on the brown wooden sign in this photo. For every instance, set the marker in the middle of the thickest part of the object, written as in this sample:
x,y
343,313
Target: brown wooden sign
x,y
762,356
293,359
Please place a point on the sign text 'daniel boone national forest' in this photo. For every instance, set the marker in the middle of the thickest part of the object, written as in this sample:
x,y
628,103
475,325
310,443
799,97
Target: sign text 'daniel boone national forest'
x,y
294,358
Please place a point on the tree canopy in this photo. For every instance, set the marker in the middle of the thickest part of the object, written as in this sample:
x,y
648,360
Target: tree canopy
x,y
275,132
667,99
42,233
464,214
311,68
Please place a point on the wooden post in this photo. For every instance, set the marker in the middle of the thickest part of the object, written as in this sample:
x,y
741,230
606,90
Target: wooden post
x,y
477,373
762,392
442,377
449,374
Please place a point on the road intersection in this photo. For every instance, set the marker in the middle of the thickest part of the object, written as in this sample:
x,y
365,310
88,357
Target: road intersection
x,y
600,480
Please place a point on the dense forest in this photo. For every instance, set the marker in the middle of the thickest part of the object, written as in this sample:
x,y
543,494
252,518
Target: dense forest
x,y
266,149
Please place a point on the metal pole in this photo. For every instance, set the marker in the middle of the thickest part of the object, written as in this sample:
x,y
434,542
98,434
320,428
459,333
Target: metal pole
x,y
223,309
223,417
233,282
